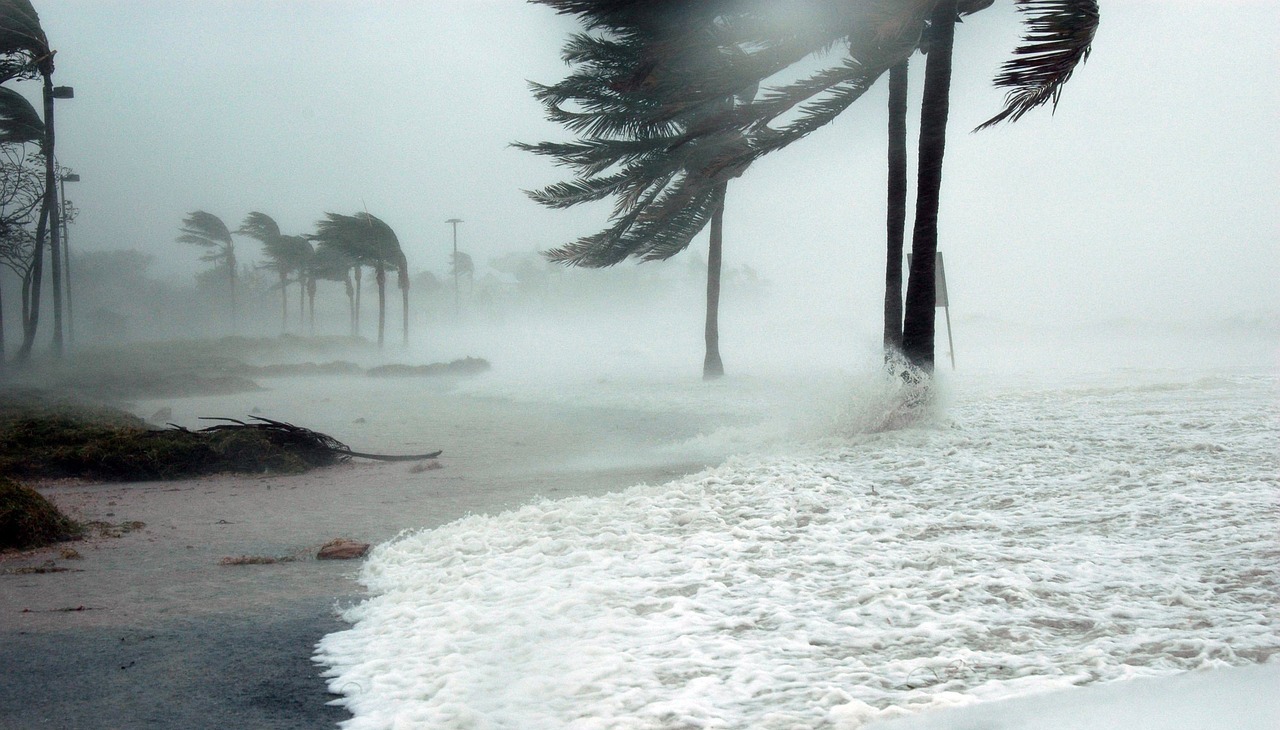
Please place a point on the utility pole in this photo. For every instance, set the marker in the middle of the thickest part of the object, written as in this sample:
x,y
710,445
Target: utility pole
x,y
65,178
457,302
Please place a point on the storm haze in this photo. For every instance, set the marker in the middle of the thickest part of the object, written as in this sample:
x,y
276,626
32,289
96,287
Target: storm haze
x,y
1142,202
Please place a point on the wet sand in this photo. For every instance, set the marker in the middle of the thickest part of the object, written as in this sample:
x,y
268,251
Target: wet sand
x,y
148,630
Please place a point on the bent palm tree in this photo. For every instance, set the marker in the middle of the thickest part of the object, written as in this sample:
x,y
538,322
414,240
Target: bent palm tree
x,y
263,227
207,231
622,76
25,53
662,205
369,241
331,263
21,191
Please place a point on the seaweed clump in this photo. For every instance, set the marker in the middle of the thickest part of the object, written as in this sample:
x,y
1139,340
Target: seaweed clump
x,y
42,439
28,520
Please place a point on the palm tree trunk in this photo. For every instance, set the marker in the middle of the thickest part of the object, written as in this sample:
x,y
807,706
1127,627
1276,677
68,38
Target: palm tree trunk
x,y
351,302
311,302
302,303
380,276
284,303
896,218
918,328
712,366
355,319
231,269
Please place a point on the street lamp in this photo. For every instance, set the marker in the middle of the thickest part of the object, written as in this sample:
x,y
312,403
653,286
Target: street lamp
x,y
55,253
457,306
66,249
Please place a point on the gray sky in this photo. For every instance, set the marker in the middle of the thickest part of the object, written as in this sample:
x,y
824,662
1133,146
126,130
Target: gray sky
x,y
1149,194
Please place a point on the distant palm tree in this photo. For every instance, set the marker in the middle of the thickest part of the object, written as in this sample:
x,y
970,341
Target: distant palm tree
x,y
296,252
330,263
209,232
263,227
369,241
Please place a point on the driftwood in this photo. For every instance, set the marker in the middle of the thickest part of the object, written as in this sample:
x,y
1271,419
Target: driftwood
x,y
303,438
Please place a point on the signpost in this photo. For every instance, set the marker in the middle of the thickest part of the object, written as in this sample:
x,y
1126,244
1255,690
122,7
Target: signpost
x,y
940,300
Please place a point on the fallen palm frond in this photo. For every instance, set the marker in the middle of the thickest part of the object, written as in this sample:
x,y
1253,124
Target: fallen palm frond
x,y
41,438
303,440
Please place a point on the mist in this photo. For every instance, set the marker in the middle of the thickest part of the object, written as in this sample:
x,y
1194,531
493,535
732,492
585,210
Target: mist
x,y
1138,205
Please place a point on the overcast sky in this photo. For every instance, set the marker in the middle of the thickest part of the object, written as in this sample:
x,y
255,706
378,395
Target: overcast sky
x,y
1149,194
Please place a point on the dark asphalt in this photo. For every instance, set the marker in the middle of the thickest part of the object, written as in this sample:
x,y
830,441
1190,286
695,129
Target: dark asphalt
x,y
250,671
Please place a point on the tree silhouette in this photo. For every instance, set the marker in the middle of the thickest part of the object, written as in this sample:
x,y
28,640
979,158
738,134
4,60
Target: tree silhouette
x,y
25,54
636,62
207,231
368,241
666,183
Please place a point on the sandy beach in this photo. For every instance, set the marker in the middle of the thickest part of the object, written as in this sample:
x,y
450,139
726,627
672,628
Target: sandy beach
x,y
149,630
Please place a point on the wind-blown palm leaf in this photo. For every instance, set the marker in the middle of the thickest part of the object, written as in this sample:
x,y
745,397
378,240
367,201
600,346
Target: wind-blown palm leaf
x,y
260,226
19,121
1059,37
204,229
24,49
330,263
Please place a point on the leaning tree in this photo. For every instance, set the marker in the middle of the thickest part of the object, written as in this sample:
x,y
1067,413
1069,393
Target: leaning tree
x,y
368,241
286,256
22,191
662,205
207,231
25,54
626,66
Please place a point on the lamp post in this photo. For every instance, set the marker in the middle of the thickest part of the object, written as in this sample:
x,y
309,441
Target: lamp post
x,y
66,248
55,249
457,306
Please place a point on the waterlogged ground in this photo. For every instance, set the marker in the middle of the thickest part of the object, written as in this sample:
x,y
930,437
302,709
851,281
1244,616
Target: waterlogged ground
x,y
1027,536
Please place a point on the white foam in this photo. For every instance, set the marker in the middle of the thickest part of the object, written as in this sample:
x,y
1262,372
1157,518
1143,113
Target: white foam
x,y
1033,539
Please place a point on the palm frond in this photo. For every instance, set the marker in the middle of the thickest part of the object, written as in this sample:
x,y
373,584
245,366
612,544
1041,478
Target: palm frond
x,y
23,45
19,121
260,226
1059,35
205,229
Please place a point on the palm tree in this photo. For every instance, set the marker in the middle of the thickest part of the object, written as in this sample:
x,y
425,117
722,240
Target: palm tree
x,y
665,202
297,252
624,141
263,227
25,53
369,241
21,190
896,210
209,232
331,263
286,255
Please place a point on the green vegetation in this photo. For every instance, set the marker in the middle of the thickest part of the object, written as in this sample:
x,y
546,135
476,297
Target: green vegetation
x,y
43,439
29,520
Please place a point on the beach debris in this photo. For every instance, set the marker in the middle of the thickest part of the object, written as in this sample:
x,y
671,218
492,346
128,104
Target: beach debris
x,y
342,548
29,520
255,560
462,366
304,440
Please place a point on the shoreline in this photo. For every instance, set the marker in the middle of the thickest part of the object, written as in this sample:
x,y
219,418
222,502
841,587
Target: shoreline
x,y
149,630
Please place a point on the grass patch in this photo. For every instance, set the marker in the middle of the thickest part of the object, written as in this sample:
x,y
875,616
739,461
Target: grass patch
x,y
40,438
28,520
